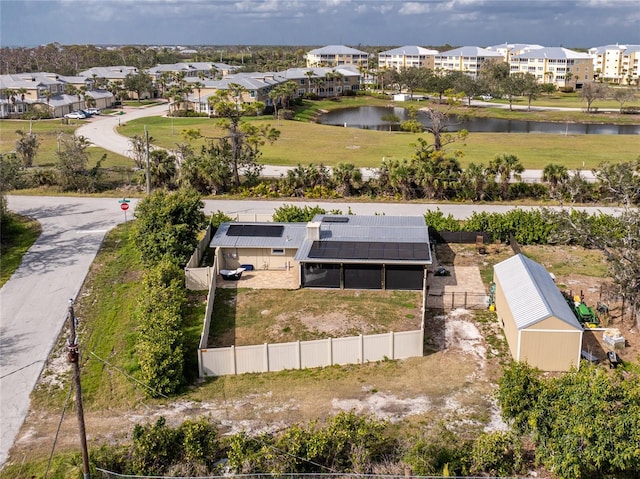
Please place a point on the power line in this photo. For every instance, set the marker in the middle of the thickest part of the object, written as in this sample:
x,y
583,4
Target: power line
x,y
128,375
55,440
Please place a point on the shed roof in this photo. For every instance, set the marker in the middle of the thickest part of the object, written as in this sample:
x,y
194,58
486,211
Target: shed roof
x,y
531,293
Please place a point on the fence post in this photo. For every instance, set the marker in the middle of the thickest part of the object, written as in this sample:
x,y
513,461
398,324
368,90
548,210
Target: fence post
x,y
465,300
392,353
330,351
453,300
266,357
361,349
299,353
233,357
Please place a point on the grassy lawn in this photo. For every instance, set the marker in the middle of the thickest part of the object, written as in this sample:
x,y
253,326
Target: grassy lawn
x,y
245,317
48,131
18,234
304,141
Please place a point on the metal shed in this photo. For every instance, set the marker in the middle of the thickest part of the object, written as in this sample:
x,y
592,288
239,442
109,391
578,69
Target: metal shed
x,y
539,326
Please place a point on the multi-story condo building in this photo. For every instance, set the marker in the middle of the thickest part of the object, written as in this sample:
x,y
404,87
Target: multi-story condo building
x,y
616,63
407,57
509,49
337,55
561,66
468,60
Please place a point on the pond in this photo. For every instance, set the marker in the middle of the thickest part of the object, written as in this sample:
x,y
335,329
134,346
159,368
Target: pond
x,y
370,118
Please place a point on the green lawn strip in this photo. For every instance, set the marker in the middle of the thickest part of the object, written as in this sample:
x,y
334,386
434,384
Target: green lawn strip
x,y
246,317
305,143
18,234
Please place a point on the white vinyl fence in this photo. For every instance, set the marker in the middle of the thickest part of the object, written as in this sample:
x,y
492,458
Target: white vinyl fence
x,y
309,354
197,278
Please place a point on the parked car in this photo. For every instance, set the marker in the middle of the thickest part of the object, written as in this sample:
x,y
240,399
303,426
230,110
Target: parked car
x,y
486,97
94,111
76,115
86,113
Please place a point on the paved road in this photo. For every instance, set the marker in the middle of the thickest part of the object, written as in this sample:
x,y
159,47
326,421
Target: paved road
x,y
34,302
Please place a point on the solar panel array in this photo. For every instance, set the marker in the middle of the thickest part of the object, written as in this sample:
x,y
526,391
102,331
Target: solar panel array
x,y
369,250
269,231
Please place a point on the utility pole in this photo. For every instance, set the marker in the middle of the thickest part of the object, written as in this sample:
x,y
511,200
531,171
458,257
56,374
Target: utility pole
x,y
146,136
73,355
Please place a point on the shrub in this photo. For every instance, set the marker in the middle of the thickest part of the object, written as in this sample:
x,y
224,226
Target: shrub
x,y
168,224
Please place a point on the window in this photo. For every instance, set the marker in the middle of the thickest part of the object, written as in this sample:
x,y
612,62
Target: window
x,y
277,251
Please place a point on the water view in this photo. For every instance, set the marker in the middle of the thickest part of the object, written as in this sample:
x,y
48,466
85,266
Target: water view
x,y
370,118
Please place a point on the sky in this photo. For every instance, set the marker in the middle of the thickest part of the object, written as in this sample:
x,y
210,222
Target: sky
x,y
572,24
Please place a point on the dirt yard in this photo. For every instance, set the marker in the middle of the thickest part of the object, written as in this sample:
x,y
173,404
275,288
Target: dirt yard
x,y
578,272
453,383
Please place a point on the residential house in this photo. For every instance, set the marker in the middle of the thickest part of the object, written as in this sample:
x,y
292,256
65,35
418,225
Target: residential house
x,y
407,57
47,91
256,88
102,76
561,66
617,63
467,59
337,55
200,70
333,251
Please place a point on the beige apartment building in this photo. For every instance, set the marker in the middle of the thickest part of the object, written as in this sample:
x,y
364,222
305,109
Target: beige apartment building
x,y
337,55
507,50
407,57
468,60
557,65
616,63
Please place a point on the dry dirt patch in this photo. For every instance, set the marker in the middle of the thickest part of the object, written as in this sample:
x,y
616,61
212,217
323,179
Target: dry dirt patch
x,y
452,385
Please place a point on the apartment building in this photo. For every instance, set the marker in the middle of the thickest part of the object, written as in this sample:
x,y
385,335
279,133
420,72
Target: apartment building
x,y
407,57
467,59
337,55
563,67
616,63
510,49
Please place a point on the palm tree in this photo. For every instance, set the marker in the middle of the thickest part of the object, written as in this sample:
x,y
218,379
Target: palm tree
x,y
309,74
506,166
556,176
347,178
198,86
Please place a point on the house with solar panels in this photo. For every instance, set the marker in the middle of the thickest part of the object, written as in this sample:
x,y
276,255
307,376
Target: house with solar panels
x,y
538,323
332,251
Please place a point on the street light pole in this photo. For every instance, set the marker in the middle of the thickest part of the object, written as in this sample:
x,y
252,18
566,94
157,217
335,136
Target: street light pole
x,y
73,355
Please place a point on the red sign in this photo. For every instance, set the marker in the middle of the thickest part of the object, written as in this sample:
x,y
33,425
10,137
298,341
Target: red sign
x,y
124,206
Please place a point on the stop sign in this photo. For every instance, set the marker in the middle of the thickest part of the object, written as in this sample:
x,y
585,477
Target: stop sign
x,y
124,206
